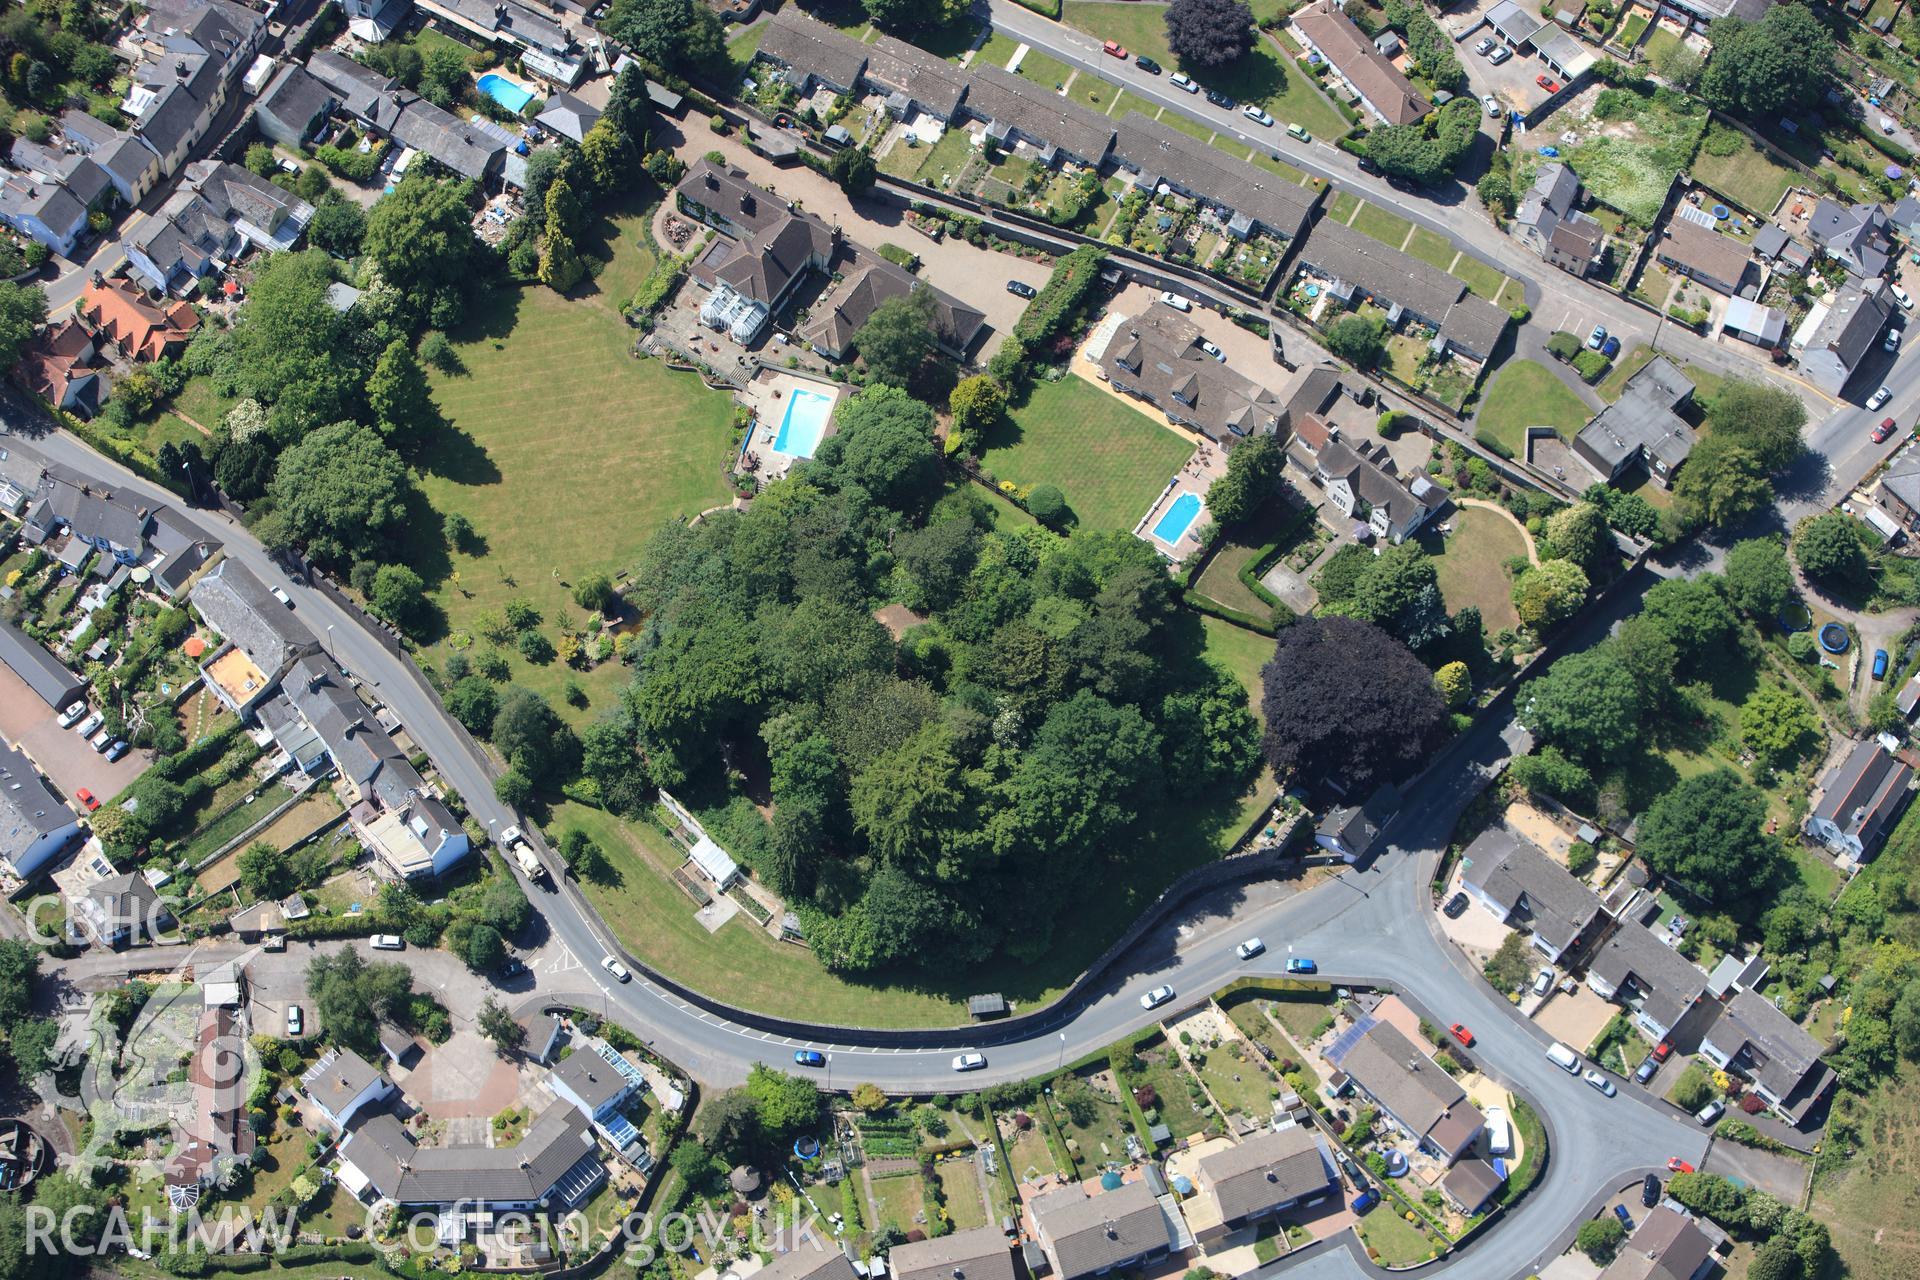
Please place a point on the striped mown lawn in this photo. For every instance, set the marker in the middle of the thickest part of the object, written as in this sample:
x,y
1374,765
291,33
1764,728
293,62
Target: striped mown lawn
x,y
1109,459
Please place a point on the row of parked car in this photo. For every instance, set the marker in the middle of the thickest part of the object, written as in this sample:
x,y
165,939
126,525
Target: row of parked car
x,y
99,737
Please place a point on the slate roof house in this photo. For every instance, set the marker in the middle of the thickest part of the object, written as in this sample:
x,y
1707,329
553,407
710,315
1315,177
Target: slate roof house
x,y
1351,830
1470,1184
913,79
1754,1039
1665,1246
1899,490
979,1253
238,606
866,281
1703,254
1550,222
130,165
1832,340
1643,426
1509,876
36,826
1363,477
544,44
1857,236
1653,980
1248,200
44,211
122,910
1751,322
811,52
568,116
1266,1174
1409,1087
555,1163
219,212
1380,86
1016,109
1860,801
342,1084
765,250
1092,1235
1156,356
1358,267
293,106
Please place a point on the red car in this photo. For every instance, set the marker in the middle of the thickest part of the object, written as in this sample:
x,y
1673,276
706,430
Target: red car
x,y
1461,1034
1881,432
1548,83
1114,49
1676,1165
1663,1051
85,797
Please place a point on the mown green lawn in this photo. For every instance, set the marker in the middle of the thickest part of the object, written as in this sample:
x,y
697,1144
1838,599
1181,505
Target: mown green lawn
x,y
1471,563
1750,177
1109,459
1526,394
566,452
1388,228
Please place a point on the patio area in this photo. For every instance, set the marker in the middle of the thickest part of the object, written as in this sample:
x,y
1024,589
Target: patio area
x,y
792,414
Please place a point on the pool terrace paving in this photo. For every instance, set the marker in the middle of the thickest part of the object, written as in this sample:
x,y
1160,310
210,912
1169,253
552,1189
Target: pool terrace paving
x,y
770,395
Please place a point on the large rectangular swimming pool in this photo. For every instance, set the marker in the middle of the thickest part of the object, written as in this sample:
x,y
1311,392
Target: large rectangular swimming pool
x,y
1177,518
803,424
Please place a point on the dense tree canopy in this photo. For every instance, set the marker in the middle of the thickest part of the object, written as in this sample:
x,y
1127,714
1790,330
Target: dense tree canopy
x,y
1587,703
1205,34
421,238
898,338
1765,420
1758,578
1709,834
1722,483
289,346
350,996
23,308
935,800
341,493
1778,65
1397,591
1347,704
1252,476
1829,550
1549,593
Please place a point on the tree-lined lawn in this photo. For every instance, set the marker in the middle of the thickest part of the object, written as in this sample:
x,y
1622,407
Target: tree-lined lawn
x,y
1472,564
566,453
1526,394
1109,459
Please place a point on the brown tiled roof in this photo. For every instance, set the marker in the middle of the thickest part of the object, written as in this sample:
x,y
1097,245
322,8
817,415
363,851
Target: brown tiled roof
x,y
1267,1170
1704,250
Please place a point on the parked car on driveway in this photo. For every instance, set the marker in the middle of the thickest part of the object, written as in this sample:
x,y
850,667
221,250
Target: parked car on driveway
x,y
72,713
1548,83
1879,664
1543,982
1455,905
1485,46
1175,301
1711,1112
1492,104
296,1021
86,799
1021,289
1499,55
1611,347
386,942
1650,1190
118,749
1645,1071
1626,1219
1902,297
1676,1165
1213,351
91,725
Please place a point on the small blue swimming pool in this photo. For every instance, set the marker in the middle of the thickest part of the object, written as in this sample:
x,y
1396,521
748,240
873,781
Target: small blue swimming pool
x,y
803,424
505,92
1177,518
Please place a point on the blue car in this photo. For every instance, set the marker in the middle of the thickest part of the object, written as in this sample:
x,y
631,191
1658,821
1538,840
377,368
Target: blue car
x,y
1300,964
1610,348
1626,1219
810,1057
1879,664
1365,1201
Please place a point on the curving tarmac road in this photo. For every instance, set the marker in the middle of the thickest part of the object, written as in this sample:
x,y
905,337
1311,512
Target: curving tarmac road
x,y
1375,925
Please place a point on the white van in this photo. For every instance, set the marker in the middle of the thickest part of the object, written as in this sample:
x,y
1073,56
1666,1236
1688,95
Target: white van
x,y
1499,1132
1564,1058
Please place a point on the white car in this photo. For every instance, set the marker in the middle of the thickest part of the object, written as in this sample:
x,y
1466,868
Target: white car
x,y
1156,997
1600,1082
294,1020
1893,340
1250,948
386,942
1256,114
281,595
1711,1112
969,1061
73,713
101,740
1499,55
1174,300
1543,982
1902,297
614,967
1213,351
1485,46
1879,397
1181,80
1492,104
91,725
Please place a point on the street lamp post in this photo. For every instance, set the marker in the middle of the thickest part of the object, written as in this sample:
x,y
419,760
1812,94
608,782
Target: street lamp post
x,y
1061,1065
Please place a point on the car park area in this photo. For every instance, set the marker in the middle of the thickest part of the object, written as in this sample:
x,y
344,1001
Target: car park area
x,y
67,759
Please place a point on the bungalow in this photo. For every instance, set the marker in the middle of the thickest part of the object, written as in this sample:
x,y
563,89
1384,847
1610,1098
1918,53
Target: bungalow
x,y
1667,1245
1093,1235
1016,109
866,281
1859,801
58,367
1379,85
1642,427
1264,1175
597,1078
568,116
1858,236
1703,254
36,826
978,1253
1247,200
1651,979
1356,267
122,910
1754,1039
1156,356
811,53
1408,1086
119,312
342,1084
1363,482
556,1163
1351,830
1832,340
1509,876
544,45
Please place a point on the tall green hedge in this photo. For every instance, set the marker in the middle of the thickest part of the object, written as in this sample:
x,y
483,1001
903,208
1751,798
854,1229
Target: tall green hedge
x,y
1060,300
